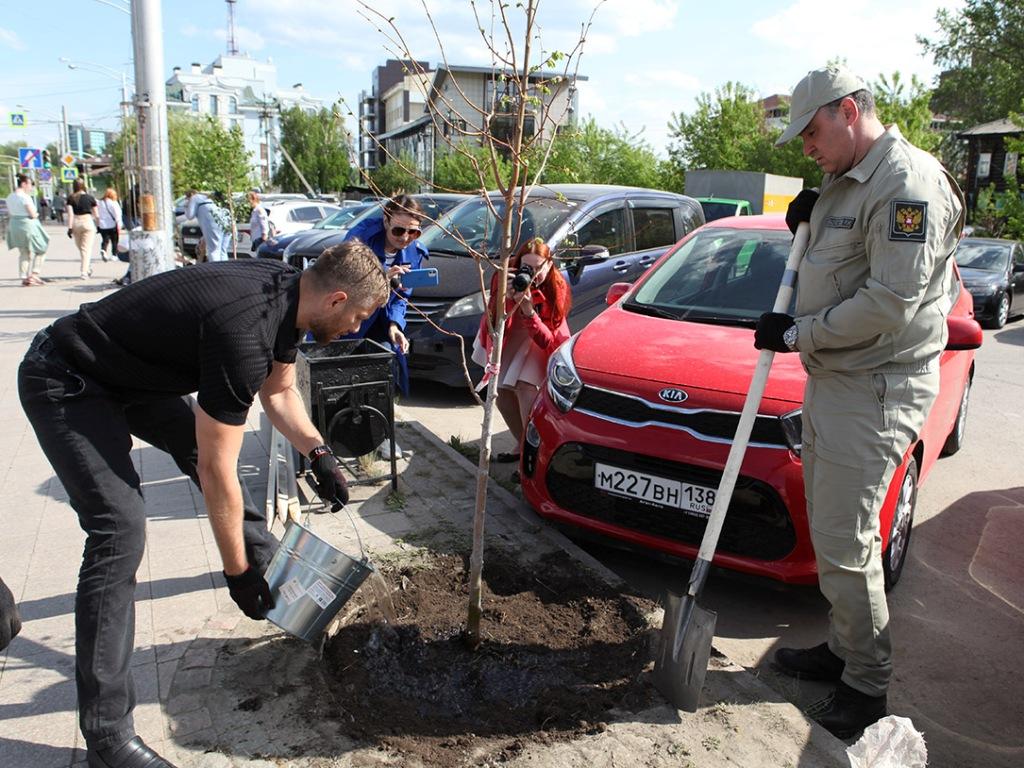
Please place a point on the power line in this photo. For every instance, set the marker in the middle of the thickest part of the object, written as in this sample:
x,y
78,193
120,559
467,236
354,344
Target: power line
x,y
58,93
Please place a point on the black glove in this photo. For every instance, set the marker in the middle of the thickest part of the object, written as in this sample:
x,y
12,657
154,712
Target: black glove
x,y
69,232
251,593
770,327
330,478
800,208
10,621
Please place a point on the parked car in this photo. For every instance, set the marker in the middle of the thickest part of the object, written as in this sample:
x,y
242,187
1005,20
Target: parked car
x,y
993,271
304,250
629,436
188,233
598,234
274,249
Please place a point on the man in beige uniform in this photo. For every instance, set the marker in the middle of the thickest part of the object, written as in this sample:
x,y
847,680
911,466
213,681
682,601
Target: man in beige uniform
x,y
873,292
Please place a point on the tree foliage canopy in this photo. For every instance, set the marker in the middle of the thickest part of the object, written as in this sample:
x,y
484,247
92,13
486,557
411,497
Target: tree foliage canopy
x,y
980,47
463,169
395,176
590,154
319,145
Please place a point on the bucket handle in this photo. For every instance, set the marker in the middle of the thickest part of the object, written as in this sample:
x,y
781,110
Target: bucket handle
x,y
333,506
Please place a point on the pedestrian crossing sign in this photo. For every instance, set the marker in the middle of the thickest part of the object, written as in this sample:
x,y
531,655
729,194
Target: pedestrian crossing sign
x,y
68,174
18,120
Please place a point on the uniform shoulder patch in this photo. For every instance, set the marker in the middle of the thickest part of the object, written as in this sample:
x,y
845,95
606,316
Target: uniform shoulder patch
x,y
908,220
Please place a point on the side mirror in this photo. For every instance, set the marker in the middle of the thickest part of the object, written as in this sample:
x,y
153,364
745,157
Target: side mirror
x,y
591,254
964,333
616,291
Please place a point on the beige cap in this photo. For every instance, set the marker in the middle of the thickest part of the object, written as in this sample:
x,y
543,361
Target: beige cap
x,y
818,88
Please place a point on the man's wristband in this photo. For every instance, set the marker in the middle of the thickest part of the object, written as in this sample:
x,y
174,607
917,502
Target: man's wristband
x,y
320,450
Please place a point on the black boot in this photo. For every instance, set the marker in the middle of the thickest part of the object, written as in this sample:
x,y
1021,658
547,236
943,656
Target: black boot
x,y
817,663
846,711
132,754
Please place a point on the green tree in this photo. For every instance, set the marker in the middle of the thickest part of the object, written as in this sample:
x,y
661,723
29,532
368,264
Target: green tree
x,y
461,168
319,145
1001,214
728,131
590,154
907,108
396,176
980,49
7,152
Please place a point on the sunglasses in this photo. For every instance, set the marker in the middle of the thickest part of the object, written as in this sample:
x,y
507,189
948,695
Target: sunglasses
x,y
402,231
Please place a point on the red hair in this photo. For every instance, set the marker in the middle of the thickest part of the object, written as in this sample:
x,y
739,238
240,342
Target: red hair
x,y
556,292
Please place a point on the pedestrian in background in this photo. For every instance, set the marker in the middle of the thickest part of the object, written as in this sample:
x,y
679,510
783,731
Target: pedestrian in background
x,y
110,223
535,326
26,233
82,225
60,204
394,238
211,218
873,292
259,222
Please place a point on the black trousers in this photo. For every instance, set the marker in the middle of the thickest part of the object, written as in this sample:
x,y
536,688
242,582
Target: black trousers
x,y
86,434
109,236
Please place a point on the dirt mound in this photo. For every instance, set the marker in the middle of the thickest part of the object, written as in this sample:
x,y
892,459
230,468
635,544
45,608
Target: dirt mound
x,y
560,650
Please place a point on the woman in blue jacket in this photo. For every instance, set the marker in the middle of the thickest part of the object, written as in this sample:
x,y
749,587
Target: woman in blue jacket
x,y
394,238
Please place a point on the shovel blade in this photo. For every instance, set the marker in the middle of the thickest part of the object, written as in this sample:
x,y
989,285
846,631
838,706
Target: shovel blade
x,y
683,651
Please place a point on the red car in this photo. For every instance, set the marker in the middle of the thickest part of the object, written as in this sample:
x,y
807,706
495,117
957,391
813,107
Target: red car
x,y
631,432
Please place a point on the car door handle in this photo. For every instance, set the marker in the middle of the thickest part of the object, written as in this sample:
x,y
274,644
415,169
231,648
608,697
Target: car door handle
x,y
646,261
620,266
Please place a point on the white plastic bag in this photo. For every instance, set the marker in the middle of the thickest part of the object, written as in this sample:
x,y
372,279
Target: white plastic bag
x,y
892,742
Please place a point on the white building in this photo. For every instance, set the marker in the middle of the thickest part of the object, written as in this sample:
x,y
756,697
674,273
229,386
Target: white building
x,y
241,91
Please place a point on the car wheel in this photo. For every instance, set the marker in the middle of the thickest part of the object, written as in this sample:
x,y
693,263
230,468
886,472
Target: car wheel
x,y
955,440
1002,313
895,555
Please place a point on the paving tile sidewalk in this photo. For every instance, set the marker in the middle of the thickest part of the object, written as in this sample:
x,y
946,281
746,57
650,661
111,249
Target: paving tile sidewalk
x,y
215,689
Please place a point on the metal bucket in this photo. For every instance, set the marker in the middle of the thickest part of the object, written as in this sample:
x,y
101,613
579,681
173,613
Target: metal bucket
x,y
310,581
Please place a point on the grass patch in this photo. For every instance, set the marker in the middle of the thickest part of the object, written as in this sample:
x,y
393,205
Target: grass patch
x,y
395,501
471,452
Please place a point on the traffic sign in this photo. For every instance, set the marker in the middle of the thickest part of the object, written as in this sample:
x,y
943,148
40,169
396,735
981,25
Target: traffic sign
x,y
68,159
68,174
30,157
18,120
45,175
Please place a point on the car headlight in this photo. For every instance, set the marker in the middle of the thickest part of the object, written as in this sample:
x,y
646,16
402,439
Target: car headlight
x,y
793,429
564,384
986,290
474,304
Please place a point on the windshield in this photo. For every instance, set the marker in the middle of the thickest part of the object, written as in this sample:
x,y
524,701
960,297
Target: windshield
x,y
473,224
977,254
341,218
718,275
713,210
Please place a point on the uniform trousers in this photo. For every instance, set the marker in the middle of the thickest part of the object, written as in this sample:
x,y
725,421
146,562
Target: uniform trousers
x,y
856,430
86,434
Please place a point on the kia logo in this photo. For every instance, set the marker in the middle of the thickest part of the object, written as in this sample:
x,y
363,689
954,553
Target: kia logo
x,y
672,395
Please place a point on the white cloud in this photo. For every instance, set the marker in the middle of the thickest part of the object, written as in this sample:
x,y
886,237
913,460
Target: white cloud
x,y
631,18
10,39
665,78
247,39
878,36
191,30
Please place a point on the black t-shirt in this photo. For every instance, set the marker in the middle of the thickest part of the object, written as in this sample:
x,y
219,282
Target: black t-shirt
x,y
214,329
82,203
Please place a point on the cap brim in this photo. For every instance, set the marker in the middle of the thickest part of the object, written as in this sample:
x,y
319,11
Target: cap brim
x,y
795,128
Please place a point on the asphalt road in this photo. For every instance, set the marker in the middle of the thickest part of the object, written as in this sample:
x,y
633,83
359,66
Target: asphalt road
x,y
958,612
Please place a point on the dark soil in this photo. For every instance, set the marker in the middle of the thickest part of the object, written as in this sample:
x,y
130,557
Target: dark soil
x,y
561,649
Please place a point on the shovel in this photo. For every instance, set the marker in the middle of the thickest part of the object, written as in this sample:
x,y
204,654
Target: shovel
x,y
687,629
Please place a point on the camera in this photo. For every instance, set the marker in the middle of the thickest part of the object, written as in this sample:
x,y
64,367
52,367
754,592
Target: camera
x,y
523,277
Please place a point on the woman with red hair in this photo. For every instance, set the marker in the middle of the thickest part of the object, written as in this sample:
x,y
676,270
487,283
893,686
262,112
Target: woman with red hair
x,y
535,326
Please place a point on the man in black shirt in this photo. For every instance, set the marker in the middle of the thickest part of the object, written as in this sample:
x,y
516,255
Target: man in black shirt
x,y
126,365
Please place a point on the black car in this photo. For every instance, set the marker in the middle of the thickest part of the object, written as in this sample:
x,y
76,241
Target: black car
x,y
308,248
993,271
598,234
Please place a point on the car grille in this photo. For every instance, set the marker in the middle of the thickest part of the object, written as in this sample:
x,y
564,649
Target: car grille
x,y
432,308
719,426
757,525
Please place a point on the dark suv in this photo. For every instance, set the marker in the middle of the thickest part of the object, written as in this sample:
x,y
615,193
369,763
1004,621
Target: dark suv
x,y
598,234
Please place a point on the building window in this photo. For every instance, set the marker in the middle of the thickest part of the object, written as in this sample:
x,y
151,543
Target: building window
x,y
213,105
1010,165
984,164
195,103
232,105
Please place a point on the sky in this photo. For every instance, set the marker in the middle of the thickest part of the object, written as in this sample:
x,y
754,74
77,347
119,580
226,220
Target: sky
x,y
644,59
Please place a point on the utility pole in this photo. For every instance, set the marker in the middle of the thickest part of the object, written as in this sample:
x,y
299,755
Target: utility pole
x,y
151,250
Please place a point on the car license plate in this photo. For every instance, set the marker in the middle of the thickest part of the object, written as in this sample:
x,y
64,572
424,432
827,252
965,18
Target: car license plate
x,y
692,499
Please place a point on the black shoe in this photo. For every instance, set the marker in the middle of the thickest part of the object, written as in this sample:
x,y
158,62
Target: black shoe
x,y
846,711
132,754
507,458
817,663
